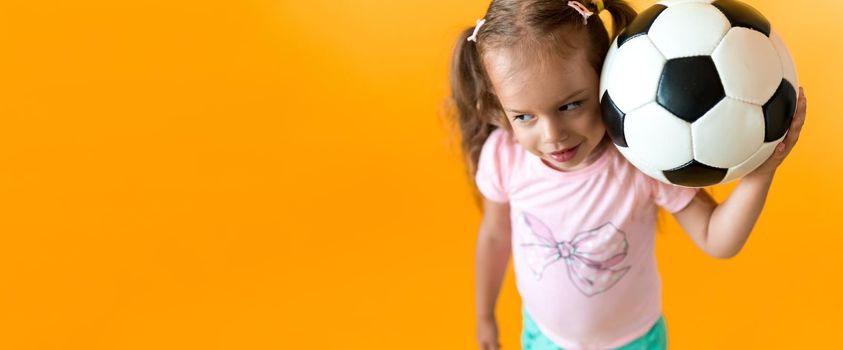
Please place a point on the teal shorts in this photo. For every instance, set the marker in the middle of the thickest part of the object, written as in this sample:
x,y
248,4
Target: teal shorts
x,y
533,339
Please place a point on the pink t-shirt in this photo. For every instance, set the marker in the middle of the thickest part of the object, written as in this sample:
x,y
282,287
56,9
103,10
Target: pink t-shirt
x,y
582,241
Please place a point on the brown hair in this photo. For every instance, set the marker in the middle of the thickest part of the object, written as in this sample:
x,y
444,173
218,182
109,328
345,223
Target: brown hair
x,y
531,24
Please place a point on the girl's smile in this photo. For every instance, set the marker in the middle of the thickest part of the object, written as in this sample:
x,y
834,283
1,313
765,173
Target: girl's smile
x,y
565,155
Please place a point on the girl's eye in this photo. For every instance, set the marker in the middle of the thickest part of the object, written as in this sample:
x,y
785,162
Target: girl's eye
x,y
570,106
523,118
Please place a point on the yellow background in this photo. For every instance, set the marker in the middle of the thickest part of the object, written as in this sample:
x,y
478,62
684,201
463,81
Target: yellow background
x,y
279,175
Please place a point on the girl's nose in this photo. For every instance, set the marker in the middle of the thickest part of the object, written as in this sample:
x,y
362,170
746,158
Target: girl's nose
x,y
553,131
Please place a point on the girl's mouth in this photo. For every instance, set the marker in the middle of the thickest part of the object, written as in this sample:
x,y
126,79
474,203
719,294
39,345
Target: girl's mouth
x,y
564,156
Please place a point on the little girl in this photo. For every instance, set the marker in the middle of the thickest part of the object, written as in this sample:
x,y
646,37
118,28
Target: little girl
x,y
578,218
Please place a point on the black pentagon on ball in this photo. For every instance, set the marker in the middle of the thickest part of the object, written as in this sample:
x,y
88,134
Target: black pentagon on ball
x,y
689,87
695,174
778,111
743,15
641,24
613,119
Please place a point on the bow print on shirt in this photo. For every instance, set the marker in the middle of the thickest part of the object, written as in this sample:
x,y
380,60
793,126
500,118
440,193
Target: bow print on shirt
x,y
589,256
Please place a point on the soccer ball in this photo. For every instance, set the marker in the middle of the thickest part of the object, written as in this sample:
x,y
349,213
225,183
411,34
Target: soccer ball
x,y
698,93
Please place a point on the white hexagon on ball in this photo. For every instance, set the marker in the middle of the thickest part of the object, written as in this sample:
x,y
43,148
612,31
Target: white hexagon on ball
x,y
748,64
728,134
675,25
657,135
638,61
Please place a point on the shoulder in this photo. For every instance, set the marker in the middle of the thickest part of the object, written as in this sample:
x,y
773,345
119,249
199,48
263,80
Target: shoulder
x,y
499,139
627,174
498,157
499,148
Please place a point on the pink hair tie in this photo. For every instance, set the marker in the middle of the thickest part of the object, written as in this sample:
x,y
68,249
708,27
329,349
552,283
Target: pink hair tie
x,y
582,10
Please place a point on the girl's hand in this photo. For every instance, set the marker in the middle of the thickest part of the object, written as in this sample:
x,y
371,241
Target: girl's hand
x,y
768,168
487,333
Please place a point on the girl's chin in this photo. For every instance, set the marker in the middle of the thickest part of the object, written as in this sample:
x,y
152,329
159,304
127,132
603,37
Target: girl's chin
x,y
570,165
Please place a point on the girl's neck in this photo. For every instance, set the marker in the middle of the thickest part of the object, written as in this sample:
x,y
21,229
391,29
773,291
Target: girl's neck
x,y
598,151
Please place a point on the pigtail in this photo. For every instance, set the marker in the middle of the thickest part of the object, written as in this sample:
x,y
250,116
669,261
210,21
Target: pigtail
x,y
477,108
622,14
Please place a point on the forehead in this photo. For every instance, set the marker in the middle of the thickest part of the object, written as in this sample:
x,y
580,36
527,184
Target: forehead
x,y
530,81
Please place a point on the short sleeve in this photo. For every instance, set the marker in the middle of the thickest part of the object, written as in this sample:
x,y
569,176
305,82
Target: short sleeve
x,y
490,168
671,197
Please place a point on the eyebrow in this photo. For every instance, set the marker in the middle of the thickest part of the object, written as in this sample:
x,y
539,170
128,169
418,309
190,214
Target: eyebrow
x,y
575,93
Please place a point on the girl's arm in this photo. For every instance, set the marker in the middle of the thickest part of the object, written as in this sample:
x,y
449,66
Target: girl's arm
x,y
493,249
492,255
721,230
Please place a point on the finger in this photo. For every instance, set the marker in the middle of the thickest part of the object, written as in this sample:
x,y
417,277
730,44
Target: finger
x,y
779,153
789,140
796,124
801,103
793,134
801,106
787,144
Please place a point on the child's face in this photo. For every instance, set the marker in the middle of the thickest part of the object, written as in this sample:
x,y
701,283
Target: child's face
x,y
551,104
